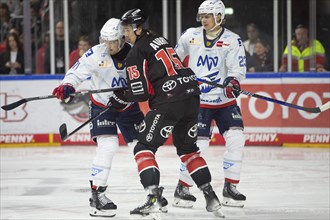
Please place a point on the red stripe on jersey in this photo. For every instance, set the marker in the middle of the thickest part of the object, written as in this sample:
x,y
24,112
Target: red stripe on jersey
x,y
147,164
185,157
186,61
231,181
193,161
184,183
151,90
145,160
196,164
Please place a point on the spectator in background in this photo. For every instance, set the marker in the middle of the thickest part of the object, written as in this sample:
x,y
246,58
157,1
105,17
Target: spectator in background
x,y
5,21
59,50
302,51
83,45
253,33
12,60
261,60
15,7
41,55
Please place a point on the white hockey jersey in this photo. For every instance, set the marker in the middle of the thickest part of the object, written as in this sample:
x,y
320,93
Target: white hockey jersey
x,y
212,60
104,71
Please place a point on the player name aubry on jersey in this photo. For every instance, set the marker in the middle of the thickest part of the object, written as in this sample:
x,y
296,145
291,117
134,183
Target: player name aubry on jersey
x,y
156,43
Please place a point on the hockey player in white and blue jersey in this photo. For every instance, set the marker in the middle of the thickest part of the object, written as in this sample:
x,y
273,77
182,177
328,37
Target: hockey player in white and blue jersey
x,y
104,63
216,54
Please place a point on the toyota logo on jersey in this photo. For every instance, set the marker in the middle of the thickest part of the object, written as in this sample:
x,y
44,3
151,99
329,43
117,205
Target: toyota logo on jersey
x,y
193,131
149,137
166,131
142,126
169,85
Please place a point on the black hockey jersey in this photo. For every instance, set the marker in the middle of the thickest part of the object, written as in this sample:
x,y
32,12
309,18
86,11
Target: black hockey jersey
x,y
155,72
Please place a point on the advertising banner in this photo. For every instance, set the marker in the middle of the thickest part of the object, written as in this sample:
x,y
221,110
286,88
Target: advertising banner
x,y
36,123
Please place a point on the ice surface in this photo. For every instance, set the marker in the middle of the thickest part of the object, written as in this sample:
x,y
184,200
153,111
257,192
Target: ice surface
x,y
52,183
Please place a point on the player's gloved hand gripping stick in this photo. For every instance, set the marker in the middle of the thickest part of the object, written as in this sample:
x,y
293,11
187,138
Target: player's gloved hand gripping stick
x,y
319,109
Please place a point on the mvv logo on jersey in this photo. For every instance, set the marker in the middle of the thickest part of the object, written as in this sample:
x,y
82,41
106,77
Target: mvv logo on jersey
x,y
208,61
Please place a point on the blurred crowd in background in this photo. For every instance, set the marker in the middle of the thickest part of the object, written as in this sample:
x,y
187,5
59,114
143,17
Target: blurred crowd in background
x,y
252,20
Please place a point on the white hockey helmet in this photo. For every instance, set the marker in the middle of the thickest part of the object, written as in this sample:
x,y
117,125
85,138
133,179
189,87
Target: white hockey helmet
x,y
112,30
215,7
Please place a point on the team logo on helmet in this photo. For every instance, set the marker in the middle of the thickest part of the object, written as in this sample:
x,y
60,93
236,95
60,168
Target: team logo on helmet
x,y
169,85
193,131
166,131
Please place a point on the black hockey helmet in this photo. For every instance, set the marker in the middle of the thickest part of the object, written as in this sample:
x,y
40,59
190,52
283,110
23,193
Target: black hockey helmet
x,y
135,17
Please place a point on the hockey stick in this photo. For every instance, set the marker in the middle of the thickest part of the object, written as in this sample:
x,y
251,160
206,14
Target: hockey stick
x,y
322,108
64,131
22,101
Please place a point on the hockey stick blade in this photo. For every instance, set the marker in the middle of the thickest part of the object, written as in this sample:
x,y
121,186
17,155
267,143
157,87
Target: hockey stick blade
x,y
306,109
13,105
325,107
63,132
22,101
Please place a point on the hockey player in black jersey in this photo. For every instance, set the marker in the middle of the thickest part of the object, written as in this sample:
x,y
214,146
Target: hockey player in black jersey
x,y
155,73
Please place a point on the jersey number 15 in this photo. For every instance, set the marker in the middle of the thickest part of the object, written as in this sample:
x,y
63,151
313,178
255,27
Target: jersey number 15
x,y
168,59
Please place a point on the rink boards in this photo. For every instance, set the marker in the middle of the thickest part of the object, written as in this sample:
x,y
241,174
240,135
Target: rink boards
x,y
36,123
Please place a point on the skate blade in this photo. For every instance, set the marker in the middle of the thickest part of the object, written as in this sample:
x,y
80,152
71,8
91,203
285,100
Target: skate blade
x,y
102,213
218,213
229,202
146,216
163,209
183,203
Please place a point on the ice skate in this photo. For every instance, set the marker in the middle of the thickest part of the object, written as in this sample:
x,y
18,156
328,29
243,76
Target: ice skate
x,y
163,205
101,205
153,206
182,197
212,202
232,197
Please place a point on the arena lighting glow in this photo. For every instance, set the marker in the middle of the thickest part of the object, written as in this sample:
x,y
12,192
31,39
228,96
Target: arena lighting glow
x,y
229,11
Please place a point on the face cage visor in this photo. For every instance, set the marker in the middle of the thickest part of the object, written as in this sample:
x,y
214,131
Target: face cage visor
x,y
109,42
199,15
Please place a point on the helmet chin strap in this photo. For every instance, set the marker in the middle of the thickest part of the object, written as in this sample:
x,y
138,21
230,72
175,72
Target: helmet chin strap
x,y
212,33
215,26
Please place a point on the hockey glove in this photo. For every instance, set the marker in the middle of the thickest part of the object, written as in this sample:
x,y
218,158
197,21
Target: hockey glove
x,y
63,92
119,100
232,87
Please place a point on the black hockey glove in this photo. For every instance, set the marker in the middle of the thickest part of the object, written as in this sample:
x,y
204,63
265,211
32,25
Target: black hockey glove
x,y
232,87
118,100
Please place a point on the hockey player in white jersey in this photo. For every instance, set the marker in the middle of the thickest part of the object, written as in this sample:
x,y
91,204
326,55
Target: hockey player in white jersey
x,y
104,63
216,54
